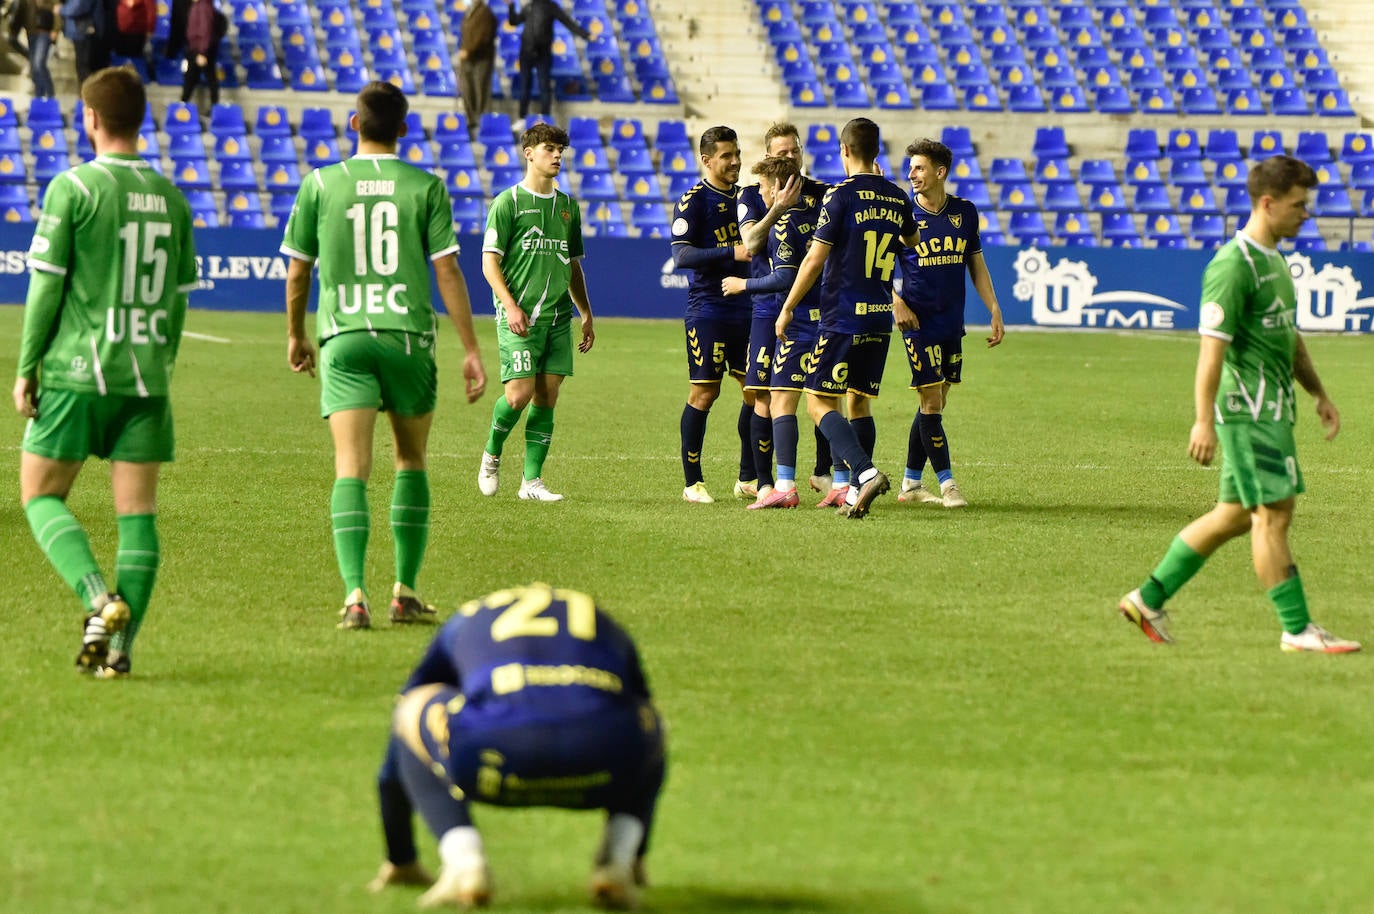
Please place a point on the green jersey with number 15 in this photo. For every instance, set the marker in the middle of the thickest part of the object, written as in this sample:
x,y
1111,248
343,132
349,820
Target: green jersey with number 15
x,y
373,223
120,234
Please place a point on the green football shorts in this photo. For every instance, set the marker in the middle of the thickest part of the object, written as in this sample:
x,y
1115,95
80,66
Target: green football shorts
x,y
547,350
74,426
1259,463
390,371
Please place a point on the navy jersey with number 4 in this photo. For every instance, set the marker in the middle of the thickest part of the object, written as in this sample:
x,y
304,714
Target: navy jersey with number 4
x,y
533,654
863,219
933,272
707,217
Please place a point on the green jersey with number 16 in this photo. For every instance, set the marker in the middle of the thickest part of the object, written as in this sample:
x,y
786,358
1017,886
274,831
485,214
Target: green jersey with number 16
x,y
120,234
374,224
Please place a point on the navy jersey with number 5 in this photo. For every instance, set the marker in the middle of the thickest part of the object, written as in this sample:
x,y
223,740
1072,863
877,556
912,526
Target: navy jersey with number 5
x,y
533,654
863,219
933,272
707,217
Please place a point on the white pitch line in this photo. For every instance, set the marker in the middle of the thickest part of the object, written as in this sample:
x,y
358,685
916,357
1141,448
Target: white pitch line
x,y
205,336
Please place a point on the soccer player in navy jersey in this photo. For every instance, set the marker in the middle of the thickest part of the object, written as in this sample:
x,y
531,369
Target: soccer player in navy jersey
x,y
776,369
706,240
863,221
530,696
930,313
755,222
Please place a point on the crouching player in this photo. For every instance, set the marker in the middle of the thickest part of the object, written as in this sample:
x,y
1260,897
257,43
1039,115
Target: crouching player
x,y
528,697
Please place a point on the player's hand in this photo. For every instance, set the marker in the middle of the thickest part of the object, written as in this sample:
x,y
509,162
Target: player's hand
x,y
742,253
906,318
517,321
1202,442
474,375
300,355
784,319
997,331
26,397
732,285
788,194
405,874
588,335
1330,416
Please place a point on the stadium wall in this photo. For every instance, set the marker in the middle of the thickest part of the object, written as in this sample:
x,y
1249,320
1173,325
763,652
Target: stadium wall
x,y
1104,288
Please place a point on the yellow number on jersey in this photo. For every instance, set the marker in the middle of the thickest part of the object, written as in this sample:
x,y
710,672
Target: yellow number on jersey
x,y
523,619
877,256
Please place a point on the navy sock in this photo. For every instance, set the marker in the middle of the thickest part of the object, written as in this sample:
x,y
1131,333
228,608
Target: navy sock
x,y
846,444
866,430
761,436
824,459
785,437
744,426
933,439
693,431
430,795
915,450
396,809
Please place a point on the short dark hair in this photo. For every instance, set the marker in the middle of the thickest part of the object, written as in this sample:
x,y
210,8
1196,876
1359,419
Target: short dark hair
x,y
118,96
780,129
382,110
542,133
1277,175
933,150
779,168
715,135
861,136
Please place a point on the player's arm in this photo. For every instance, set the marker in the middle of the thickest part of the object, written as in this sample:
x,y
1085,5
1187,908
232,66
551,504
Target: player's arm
x,y
1202,440
690,257
755,234
577,288
41,307
982,284
300,350
1305,373
779,280
453,290
517,321
807,274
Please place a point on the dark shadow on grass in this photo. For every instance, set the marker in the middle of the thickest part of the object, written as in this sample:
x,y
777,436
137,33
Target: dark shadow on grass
x,y
666,899
1141,510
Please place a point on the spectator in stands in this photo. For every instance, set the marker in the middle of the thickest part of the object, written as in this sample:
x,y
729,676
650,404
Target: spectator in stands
x,y
196,30
134,23
476,54
536,50
40,21
86,23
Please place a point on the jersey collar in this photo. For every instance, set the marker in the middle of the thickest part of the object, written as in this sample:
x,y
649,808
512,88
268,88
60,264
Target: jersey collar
x,y
376,156
1246,239
119,158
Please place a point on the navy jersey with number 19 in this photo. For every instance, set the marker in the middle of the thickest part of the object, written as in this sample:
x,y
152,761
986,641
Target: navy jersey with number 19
x,y
933,272
863,219
706,217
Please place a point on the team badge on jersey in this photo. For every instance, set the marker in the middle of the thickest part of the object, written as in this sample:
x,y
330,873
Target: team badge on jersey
x,y
955,221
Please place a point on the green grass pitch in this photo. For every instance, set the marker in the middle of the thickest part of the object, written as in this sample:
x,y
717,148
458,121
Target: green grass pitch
x,y
928,711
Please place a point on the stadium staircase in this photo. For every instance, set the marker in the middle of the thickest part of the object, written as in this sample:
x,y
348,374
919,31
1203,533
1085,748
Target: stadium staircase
x,y
1347,32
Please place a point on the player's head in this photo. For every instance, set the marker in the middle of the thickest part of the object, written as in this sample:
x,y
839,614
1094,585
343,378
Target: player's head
x,y
930,164
719,148
114,102
1278,189
783,140
381,113
543,145
774,172
859,143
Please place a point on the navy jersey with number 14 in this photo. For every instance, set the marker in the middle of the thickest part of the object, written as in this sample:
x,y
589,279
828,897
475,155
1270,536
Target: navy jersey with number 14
x,y
863,219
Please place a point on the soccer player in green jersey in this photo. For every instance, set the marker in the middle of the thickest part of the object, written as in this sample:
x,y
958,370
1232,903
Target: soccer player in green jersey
x,y
374,225
531,258
1244,401
112,263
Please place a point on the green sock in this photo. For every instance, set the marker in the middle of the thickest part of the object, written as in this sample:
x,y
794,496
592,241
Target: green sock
x,y
538,435
410,523
348,513
1177,567
135,571
503,420
66,545
1290,603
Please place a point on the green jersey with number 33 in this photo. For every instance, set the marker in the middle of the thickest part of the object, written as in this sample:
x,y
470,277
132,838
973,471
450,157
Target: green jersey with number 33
x,y
538,237
373,223
120,234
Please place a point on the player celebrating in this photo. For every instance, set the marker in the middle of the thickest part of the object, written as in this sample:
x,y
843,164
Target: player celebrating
x,y
776,369
112,261
533,244
861,222
930,313
706,240
372,222
1244,400
528,697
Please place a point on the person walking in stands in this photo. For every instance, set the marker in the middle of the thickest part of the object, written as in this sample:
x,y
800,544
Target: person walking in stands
x,y
197,27
134,24
536,50
85,23
476,54
40,21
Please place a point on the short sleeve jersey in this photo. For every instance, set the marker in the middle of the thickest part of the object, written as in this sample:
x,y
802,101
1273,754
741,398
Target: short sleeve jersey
x,y
121,235
707,217
534,654
751,208
862,219
373,224
787,245
1248,300
537,237
934,272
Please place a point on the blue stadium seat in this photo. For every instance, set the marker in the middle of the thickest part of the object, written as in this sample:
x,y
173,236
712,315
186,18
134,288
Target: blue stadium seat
x,y
1237,201
1313,148
939,97
826,166
1362,175
892,95
1333,203
9,138
851,94
1331,103
1053,170
1320,78
1266,143
322,151
1244,102
43,113
1069,99
679,162
237,175
1290,101
1208,229
643,187
597,185
1119,230
1165,232
1299,39
232,147
186,146
1062,197
1113,100
1231,173
1233,78
822,136
1025,99
1146,77
960,141
1272,79
1050,143
282,176
494,127
12,169
1027,222
1197,199
1158,100
1200,100
979,98
1017,196
1007,169
976,192
1328,176
1184,68
973,74
1097,171
499,156
1315,245
465,182
1187,173
1058,76
1182,143
181,118
1357,146
1142,171
1101,76
1071,222
191,174
1152,198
